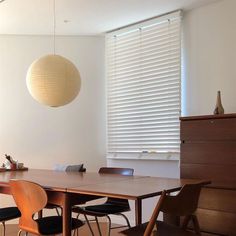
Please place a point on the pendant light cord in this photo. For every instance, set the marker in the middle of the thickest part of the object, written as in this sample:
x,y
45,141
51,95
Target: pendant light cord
x,y
54,27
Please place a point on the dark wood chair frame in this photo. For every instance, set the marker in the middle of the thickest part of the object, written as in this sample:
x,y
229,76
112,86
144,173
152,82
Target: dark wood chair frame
x,y
184,204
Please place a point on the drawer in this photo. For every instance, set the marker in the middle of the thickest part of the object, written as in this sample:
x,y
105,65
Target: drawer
x,y
210,129
218,200
212,152
218,173
217,222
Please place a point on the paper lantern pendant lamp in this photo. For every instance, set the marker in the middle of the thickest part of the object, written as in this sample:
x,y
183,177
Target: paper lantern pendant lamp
x,y
53,80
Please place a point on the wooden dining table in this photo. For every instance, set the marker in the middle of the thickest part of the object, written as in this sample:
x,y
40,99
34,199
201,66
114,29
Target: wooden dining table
x,y
72,188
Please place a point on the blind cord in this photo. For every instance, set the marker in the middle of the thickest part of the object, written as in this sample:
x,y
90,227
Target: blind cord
x,y
54,27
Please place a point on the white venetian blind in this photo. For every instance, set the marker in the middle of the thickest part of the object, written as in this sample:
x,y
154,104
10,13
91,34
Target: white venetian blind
x,y
143,86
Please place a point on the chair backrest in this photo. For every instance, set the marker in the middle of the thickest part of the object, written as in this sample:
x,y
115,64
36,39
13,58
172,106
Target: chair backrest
x,y
183,204
70,168
30,198
75,168
116,170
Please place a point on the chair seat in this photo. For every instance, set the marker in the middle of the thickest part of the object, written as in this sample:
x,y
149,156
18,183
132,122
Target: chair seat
x,y
53,224
51,206
8,213
163,229
104,209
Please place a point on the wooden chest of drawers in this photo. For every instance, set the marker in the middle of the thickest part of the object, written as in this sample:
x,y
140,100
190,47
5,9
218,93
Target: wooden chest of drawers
x,y
208,150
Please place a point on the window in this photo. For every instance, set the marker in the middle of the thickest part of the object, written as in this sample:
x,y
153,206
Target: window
x,y
143,66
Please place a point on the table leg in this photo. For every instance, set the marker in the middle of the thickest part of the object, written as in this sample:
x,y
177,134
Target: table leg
x,y
66,215
138,211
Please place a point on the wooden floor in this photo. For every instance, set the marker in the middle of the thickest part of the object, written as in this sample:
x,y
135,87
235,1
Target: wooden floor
x,y
11,230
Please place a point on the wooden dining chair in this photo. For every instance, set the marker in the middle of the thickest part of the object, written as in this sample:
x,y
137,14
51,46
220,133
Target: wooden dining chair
x,y
30,198
6,214
112,206
184,204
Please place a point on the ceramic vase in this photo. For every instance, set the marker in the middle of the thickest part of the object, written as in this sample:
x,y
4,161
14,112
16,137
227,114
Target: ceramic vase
x,y
218,108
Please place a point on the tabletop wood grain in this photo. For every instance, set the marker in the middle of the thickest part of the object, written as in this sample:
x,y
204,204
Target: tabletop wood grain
x,y
140,187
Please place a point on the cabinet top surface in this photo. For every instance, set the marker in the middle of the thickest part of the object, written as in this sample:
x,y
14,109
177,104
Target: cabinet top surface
x,y
206,117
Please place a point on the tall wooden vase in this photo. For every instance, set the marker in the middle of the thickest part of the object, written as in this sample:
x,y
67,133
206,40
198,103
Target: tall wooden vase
x,y
218,108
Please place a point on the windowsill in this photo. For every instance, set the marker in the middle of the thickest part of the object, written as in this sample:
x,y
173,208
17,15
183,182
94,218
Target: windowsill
x,y
144,156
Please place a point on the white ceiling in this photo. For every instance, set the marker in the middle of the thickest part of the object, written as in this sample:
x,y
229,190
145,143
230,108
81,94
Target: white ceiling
x,y
82,17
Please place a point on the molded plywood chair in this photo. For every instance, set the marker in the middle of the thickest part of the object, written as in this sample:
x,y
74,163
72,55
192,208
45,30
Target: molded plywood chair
x,y
111,206
8,213
183,204
30,198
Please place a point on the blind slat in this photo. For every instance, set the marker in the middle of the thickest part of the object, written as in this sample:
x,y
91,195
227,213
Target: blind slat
x,y
167,39
157,88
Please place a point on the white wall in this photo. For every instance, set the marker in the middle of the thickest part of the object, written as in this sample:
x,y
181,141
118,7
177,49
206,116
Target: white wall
x,y
41,136
209,55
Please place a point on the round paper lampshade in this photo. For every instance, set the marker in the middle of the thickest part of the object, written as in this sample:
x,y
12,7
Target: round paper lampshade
x,y
53,80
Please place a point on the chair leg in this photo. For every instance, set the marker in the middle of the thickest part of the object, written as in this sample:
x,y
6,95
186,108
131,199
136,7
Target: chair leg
x,y
185,222
99,229
90,228
58,213
19,232
4,228
126,218
109,226
196,225
76,232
